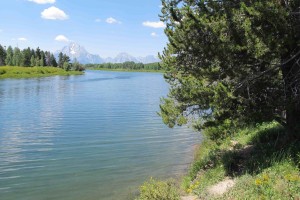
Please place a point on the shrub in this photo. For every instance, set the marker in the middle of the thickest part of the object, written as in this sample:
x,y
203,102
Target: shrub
x,y
221,131
2,71
158,190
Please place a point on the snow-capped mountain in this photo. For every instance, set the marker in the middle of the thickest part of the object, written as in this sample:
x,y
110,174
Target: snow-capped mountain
x,y
123,57
75,51
148,59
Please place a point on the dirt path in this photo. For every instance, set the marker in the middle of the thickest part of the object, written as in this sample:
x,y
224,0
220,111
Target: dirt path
x,y
215,190
221,187
191,197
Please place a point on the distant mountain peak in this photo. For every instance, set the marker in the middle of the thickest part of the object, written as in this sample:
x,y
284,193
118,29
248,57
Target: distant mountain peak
x,y
78,52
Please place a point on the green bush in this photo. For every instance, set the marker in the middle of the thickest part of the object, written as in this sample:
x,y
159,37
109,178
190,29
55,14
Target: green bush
x,y
2,71
158,190
221,131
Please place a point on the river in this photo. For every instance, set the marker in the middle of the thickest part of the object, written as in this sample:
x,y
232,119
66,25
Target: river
x,y
95,136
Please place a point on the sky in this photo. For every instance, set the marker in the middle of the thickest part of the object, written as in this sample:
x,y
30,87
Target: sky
x,y
103,27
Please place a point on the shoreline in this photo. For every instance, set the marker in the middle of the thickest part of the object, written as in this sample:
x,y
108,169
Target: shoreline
x,y
221,170
15,72
125,70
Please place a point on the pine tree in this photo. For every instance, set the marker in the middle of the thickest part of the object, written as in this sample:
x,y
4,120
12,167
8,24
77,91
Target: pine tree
x,y
2,56
53,62
9,56
32,61
60,60
26,62
17,57
38,53
42,60
232,61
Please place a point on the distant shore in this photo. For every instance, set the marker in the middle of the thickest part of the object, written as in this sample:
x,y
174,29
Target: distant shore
x,y
34,72
127,70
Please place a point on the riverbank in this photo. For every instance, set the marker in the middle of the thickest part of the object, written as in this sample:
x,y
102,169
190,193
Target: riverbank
x,y
127,70
256,163
34,72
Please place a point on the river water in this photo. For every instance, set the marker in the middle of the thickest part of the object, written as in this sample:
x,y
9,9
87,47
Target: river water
x,y
95,136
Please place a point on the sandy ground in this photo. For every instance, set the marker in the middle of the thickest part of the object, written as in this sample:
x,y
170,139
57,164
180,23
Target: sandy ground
x,y
221,187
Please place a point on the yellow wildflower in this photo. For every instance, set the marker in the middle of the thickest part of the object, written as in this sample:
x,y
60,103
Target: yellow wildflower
x,y
258,182
265,178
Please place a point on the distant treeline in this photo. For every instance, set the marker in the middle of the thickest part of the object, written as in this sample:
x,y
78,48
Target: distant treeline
x,y
125,66
35,58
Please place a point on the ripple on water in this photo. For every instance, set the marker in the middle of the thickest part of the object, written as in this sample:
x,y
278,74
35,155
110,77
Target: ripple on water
x,y
96,136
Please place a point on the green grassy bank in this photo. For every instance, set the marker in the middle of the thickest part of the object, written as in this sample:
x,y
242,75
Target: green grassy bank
x,y
261,161
31,72
127,70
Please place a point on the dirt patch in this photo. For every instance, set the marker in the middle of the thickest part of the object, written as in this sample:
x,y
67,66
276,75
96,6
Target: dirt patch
x,y
191,197
221,187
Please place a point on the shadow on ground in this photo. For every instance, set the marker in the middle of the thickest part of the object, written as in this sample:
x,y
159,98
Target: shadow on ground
x,y
265,148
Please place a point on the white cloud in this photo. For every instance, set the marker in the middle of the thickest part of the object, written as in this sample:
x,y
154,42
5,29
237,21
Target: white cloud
x,y
158,24
22,39
153,34
97,20
111,20
42,1
54,13
61,38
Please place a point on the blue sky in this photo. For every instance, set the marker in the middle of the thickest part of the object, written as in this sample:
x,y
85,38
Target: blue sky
x,y
104,27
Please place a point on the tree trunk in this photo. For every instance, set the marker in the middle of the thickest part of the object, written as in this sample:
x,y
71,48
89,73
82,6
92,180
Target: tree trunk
x,y
291,75
293,121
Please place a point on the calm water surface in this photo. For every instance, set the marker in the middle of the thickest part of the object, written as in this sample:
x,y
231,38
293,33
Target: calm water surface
x,y
95,136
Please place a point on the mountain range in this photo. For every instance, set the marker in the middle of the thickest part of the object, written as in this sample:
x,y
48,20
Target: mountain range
x,y
78,52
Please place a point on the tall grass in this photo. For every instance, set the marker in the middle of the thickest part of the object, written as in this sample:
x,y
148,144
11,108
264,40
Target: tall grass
x,y
264,163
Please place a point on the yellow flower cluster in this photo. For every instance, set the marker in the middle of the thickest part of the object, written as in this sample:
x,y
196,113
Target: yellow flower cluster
x,y
290,177
258,182
193,186
264,180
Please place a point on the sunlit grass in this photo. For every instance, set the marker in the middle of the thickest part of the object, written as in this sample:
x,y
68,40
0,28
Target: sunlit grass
x,y
31,72
262,161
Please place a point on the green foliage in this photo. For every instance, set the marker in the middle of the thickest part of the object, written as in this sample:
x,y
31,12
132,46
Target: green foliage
x,y
2,56
30,72
2,71
158,190
281,181
67,66
9,56
17,57
52,61
219,131
26,55
126,66
223,63
32,61
31,58
77,66
261,159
